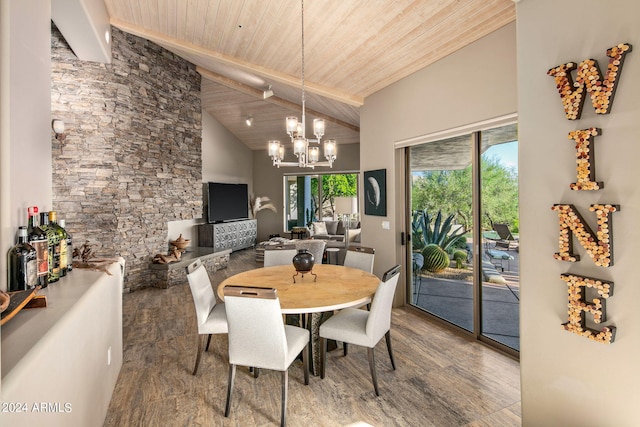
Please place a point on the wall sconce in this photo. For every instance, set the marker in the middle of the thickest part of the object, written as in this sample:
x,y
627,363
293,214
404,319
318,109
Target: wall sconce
x,y
249,121
58,129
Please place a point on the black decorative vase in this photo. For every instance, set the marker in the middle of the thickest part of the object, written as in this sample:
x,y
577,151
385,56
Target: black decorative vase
x,y
303,261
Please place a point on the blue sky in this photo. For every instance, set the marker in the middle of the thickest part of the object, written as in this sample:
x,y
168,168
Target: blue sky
x,y
507,153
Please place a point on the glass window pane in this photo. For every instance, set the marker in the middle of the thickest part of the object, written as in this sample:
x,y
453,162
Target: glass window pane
x,y
441,202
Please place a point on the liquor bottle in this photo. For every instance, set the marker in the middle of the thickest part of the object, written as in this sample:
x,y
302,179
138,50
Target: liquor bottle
x,y
62,224
53,240
62,236
38,239
23,264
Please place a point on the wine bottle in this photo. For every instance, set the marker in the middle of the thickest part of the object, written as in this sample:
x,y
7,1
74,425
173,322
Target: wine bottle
x,y
53,240
38,239
62,224
23,264
62,236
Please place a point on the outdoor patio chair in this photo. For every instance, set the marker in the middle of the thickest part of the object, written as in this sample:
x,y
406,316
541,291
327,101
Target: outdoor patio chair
x,y
506,240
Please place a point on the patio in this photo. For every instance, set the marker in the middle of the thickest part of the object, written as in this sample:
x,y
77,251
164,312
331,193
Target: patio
x,y
451,298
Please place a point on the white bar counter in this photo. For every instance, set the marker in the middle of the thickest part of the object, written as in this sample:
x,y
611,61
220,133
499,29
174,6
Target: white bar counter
x,y
60,363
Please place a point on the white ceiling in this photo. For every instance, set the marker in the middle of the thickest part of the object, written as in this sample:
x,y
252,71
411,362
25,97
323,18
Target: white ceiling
x,y
353,48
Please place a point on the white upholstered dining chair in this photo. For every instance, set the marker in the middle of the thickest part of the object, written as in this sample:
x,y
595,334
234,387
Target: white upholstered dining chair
x,y
315,246
364,328
279,255
360,257
259,338
211,316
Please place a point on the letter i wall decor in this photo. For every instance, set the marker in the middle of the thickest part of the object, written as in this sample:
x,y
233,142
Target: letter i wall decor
x,y
587,295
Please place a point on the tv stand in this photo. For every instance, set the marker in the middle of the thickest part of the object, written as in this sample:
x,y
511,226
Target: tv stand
x,y
233,235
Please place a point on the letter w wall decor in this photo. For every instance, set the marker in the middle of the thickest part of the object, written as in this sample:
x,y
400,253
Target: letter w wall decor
x,y
589,78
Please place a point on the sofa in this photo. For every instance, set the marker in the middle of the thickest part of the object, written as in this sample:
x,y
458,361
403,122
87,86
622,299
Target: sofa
x,y
335,230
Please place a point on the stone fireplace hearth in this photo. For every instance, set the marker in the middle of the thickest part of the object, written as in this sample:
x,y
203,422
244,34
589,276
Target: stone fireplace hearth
x,y
168,275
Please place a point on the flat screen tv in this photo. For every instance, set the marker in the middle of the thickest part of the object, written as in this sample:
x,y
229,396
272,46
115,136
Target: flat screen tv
x,y
226,202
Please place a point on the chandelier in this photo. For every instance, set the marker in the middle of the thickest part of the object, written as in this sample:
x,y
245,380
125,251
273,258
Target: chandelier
x,y
308,155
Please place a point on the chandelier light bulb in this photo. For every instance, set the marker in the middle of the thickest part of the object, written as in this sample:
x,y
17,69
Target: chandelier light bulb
x,y
318,127
299,146
292,124
314,154
274,147
330,149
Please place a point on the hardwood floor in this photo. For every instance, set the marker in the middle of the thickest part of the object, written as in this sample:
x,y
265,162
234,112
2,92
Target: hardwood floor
x,y
442,379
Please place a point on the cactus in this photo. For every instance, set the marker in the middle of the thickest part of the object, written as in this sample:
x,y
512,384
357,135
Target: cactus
x,y
459,257
436,259
440,232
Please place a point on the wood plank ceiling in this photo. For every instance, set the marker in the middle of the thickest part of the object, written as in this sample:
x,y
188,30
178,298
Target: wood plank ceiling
x,y
353,48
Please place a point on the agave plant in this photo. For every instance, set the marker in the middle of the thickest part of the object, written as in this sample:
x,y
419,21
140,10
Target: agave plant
x,y
424,233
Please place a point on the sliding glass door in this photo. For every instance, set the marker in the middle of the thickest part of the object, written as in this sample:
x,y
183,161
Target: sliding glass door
x,y
441,200
464,199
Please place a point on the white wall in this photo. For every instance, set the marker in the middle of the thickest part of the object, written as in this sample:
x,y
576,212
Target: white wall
x,y
25,105
224,159
568,380
471,85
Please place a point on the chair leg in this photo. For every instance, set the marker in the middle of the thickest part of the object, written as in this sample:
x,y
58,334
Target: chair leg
x,y
323,356
232,377
285,382
208,342
305,363
199,349
388,338
345,348
256,372
372,368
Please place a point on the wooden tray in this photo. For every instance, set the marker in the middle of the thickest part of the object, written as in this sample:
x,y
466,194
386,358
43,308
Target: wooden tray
x,y
20,300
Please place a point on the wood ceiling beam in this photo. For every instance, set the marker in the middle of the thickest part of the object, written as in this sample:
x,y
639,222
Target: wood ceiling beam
x,y
248,90
170,42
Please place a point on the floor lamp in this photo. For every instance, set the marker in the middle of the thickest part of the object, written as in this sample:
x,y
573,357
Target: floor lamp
x,y
346,206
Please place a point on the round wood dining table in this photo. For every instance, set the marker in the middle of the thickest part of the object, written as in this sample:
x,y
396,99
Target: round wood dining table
x,y
335,287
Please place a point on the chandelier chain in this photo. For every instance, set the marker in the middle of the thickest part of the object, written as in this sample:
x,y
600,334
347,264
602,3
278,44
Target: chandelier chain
x,y
307,156
303,90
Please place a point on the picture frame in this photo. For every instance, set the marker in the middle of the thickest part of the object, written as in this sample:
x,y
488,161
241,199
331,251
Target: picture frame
x,y
375,192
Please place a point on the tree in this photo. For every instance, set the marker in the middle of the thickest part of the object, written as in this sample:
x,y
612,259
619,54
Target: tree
x,y
336,185
449,191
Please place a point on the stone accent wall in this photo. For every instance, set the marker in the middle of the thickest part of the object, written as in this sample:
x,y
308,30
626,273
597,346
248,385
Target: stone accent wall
x,y
131,160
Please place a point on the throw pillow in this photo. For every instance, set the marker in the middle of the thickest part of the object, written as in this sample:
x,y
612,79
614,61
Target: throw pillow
x,y
332,227
319,228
